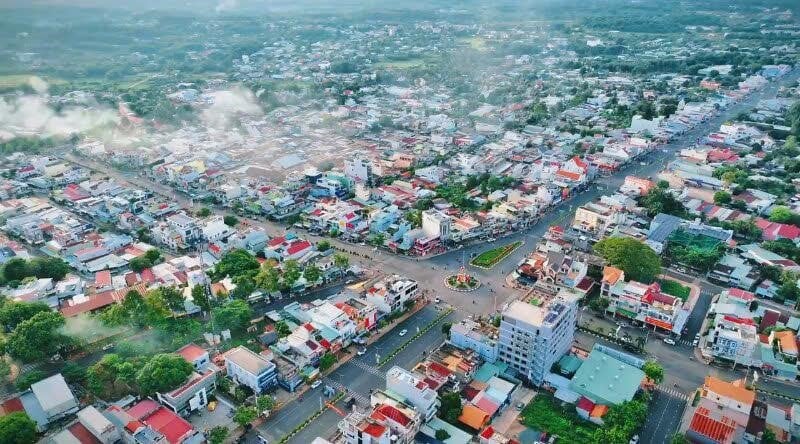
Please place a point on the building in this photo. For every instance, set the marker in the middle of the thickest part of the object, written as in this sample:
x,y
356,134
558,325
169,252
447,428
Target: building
x,y
195,355
605,380
90,428
482,338
247,368
534,334
390,421
414,390
192,395
49,400
436,224
734,339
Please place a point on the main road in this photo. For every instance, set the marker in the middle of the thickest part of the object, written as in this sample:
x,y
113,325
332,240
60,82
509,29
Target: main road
x,y
490,297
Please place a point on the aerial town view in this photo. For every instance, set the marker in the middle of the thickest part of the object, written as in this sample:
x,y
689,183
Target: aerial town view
x,y
396,222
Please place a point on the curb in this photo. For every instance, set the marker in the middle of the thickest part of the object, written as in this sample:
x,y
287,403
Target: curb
x,y
310,419
517,245
416,336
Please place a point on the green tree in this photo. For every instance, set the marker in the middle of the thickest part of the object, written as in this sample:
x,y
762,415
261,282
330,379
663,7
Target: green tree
x,y
73,372
204,212
234,315
173,298
50,267
5,369
654,371
265,403
722,198
341,261
291,272
38,337
140,263
326,361
659,200
217,435
235,263
16,269
17,428
441,434
637,260
781,214
283,329
200,298
230,221
111,377
12,313
312,273
450,407
446,326
323,245
162,373
245,415
26,379
268,278
153,255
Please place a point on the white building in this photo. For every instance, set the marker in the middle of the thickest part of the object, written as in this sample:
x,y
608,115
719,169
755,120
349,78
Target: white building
x,y
435,223
734,339
533,338
474,336
359,169
216,229
247,368
415,391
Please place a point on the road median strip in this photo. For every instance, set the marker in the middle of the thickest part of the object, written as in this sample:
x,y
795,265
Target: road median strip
x,y
422,331
310,419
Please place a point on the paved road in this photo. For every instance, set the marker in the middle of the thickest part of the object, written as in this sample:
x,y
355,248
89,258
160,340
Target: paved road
x,y
683,372
359,375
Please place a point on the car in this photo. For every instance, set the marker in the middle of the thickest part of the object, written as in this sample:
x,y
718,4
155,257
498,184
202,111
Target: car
x,y
520,406
695,342
361,352
669,341
634,440
403,332
316,384
108,347
437,300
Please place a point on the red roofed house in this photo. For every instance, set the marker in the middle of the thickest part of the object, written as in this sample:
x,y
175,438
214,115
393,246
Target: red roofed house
x,y
174,428
195,355
775,230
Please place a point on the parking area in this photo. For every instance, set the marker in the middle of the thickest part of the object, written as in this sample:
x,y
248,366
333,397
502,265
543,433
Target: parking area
x,y
204,420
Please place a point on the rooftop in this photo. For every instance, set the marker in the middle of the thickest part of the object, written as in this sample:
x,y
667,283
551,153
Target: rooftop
x,y
606,380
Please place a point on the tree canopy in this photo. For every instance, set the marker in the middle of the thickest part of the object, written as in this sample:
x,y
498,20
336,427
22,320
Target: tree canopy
x,y
637,260
37,338
162,373
17,428
233,315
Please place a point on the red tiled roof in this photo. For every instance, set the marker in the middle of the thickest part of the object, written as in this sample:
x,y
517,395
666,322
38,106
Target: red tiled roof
x,y
191,352
298,247
11,405
741,294
487,433
394,414
716,430
585,404
172,426
375,430
102,278
82,434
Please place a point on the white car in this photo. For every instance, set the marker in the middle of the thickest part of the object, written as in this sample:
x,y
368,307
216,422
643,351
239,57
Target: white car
x,y
669,341
437,300
361,352
316,384
403,332
634,440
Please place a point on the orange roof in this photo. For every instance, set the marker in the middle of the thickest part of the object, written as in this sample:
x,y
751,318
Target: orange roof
x,y
568,175
734,390
611,275
598,411
721,432
787,340
473,417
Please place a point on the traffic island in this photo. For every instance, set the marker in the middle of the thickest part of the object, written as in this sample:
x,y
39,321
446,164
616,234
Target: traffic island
x,y
490,258
462,281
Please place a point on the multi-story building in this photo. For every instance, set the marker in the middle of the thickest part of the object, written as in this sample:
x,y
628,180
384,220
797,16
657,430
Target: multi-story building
x,y
436,224
414,390
482,338
192,395
392,292
249,369
735,339
390,421
533,337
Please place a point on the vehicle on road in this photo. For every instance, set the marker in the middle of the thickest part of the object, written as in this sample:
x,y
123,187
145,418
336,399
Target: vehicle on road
x,y
108,347
669,341
212,405
403,332
361,352
634,440
520,406
437,300
316,384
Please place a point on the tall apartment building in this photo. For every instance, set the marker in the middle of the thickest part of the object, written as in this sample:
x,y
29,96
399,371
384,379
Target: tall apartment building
x,y
414,391
533,337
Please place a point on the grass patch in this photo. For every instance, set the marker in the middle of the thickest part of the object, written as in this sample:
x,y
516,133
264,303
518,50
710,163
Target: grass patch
x,y
546,414
490,258
674,288
12,81
476,43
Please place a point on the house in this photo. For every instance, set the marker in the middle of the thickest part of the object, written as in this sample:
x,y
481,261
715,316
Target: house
x,y
90,428
49,400
192,395
148,422
606,380
195,355
247,368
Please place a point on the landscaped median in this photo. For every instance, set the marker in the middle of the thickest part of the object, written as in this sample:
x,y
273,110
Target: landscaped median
x,y
310,419
421,332
490,258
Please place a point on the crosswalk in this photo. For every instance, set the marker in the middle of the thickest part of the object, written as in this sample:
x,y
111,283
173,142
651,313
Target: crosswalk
x,y
673,392
368,368
359,397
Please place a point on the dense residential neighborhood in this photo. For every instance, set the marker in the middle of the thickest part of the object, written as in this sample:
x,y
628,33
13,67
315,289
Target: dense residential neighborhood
x,y
362,223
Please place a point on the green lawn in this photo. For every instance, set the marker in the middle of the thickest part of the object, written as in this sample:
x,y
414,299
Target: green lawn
x,y
490,258
674,288
545,414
